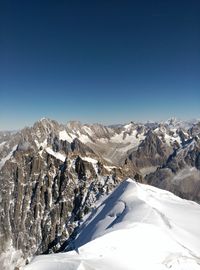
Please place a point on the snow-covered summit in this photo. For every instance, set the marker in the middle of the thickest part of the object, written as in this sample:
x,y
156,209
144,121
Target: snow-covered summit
x,y
136,227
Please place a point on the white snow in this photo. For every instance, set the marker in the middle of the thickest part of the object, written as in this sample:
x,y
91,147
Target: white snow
x,y
3,160
88,130
131,140
126,140
83,138
43,144
109,168
103,140
128,126
64,136
137,227
57,155
11,258
37,143
171,139
2,144
89,159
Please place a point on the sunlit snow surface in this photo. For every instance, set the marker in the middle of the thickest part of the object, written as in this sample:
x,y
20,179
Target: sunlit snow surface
x,y
136,227
57,155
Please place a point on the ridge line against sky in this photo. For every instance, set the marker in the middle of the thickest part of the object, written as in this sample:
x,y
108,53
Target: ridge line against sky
x,y
171,119
98,61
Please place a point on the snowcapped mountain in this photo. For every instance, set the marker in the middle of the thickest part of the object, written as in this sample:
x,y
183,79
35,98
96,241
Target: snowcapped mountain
x,y
136,227
52,175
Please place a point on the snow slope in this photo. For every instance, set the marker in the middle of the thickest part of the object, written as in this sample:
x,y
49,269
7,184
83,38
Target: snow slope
x,y
57,155
3,160
136,227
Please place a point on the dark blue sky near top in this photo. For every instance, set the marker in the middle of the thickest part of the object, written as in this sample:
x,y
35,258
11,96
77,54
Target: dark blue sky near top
x,y
98,61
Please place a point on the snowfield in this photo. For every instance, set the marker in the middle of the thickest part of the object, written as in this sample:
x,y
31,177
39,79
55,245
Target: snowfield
x,y
137,227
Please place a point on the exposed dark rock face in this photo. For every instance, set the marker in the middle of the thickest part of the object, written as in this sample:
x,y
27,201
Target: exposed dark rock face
x,y
181,173
195,130
151,152
183,137
78,147
42,197
82,168
41,200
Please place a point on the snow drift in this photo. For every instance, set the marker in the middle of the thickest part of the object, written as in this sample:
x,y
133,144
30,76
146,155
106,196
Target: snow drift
x,y
135,227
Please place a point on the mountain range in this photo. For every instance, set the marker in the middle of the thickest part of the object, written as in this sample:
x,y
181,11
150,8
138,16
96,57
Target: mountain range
x,y
53,175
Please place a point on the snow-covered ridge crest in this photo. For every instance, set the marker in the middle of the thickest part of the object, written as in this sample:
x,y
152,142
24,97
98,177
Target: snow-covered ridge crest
x,y
135,227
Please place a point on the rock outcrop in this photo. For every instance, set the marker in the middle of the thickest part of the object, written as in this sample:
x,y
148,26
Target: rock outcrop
x,y
152,152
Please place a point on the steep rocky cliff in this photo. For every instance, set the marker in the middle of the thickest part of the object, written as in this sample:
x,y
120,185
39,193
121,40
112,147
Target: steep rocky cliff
x,y
151,152
46,186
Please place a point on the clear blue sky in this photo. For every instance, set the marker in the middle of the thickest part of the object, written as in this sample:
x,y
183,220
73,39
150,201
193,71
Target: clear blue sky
x,y
98,61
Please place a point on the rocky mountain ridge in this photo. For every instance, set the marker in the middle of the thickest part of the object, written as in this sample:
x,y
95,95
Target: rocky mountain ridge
x,y
52,174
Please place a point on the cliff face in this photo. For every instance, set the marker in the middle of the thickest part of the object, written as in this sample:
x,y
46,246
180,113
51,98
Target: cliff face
x,y
45,189
151,152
